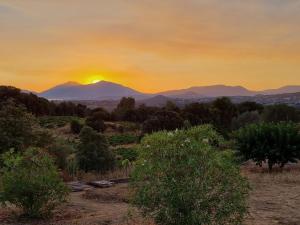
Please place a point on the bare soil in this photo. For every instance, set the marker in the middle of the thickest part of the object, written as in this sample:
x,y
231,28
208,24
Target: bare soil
x,y
274,199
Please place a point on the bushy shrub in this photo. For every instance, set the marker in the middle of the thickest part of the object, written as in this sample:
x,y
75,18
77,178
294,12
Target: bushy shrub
x,y
75,126
95,122
180,179
122,139
274,143
60,150
16,128
127,153
93,153
32,183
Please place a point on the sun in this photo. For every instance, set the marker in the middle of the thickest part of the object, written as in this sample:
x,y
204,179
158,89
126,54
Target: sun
x,y
93,79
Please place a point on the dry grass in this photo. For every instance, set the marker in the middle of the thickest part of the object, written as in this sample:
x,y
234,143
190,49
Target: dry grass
x,y
274,199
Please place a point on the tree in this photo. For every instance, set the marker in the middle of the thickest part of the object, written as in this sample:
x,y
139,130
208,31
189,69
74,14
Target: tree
x,y
279,113
180,178
95,121
163,120
125,109
16,127
269,142
245,119
249,107
223,111
32,183
93,153
198,113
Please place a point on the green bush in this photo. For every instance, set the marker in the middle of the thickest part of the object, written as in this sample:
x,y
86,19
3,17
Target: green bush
x,y
32,183
274,143
127,153
180,179
122,139
93,153
75,126
55,121
16,128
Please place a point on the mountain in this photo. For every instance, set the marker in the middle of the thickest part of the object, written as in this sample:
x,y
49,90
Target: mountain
x,y
102,90
282,90
209,91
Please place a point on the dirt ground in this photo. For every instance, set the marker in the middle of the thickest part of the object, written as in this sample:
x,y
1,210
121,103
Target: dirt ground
x,y
274,199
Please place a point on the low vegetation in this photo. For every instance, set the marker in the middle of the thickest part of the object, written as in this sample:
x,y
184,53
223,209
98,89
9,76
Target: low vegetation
x,y
31,182
180,178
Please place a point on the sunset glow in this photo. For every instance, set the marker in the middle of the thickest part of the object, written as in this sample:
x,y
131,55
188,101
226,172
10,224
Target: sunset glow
x,y
176,44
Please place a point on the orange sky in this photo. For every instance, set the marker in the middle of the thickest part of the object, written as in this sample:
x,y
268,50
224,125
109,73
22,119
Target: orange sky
x,y
150,45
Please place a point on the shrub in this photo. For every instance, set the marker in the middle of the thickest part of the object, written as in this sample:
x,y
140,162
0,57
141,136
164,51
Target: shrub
x,y
76,126
16,128
60,150
122,139
93,153
180,179
269,142
127,153
95,122
32,183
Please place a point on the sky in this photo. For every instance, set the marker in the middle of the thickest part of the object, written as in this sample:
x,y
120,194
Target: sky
x,y
150,45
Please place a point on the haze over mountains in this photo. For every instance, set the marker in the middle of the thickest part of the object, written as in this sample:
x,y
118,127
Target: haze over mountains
x,y
104,90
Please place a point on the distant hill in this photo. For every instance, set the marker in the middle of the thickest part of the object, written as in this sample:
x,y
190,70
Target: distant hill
x,y
102,90
282,90
209,91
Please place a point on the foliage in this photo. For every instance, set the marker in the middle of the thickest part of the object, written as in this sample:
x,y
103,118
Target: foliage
x,y
245,119
279,113
125,110
75,126
16,128
122,139
198,113
60,149
95,122
249,107
55,121
93,152
180,179
31,182
163,120
223,111
127,153
40,106
269,142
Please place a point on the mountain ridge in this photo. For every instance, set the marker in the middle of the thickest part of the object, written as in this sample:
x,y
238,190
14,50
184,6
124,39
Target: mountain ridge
x,y
105,90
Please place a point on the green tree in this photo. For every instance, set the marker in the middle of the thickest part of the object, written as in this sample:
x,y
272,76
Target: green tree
x,y
95,121
279,113
31,182
180,178
223,111
93,153
125,110
16,127
269,142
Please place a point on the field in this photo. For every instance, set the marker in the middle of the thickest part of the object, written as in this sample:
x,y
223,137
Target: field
x,y
274,199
